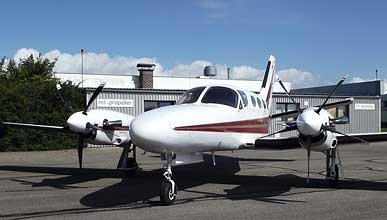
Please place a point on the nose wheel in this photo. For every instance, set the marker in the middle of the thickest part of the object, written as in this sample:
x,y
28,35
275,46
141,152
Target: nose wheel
x,y
332,168
168,190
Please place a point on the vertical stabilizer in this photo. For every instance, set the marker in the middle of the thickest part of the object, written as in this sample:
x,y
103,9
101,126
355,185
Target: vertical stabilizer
x,y
268,80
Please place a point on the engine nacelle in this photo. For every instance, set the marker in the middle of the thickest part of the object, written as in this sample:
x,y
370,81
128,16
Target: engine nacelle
x,y
110,137
322,142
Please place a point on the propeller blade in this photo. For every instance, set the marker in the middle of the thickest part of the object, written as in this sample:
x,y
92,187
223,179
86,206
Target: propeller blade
x,y
330,94
338,132
64,98
287,93
80,150
289,128
93,97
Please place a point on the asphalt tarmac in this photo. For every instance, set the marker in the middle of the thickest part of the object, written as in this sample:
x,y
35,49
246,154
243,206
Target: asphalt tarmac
x,y
260,184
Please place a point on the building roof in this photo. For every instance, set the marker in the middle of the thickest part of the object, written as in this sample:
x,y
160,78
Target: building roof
x,y
368,88
161,82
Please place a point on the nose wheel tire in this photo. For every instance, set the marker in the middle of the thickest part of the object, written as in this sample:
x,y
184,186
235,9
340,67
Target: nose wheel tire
x,y
167,195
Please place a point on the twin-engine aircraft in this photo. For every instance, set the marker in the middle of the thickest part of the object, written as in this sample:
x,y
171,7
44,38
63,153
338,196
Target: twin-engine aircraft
x,y
207,119
97,126
226,118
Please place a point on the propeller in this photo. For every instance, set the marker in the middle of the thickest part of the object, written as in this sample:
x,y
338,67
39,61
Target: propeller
x,y
93,97
78,122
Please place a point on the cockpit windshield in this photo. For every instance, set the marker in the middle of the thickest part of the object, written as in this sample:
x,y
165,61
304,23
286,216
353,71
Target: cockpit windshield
x,y
191,95
221,95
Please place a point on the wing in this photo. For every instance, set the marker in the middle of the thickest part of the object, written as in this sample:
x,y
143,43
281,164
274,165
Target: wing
x,y
369,137
274,144
294,113
292,142
36,126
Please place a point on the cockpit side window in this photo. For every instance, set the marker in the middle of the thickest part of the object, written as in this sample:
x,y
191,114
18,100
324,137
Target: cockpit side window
x,y
221,95
244,98
191,95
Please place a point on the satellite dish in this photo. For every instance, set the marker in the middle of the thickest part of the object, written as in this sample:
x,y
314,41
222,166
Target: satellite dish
x,y
209,71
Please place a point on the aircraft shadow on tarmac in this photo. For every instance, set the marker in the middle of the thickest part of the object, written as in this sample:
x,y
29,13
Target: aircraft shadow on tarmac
x,y
143,186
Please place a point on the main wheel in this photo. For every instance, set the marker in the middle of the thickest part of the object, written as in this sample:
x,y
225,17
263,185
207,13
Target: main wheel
x,y
167,197
333,182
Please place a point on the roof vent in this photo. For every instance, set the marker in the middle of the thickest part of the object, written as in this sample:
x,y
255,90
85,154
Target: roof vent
x,y
209,71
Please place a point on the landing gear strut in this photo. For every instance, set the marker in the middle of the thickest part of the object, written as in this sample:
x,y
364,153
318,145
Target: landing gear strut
x,y
332,168
125,161
168,191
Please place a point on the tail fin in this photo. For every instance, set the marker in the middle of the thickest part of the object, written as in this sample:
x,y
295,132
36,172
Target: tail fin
x,y
268,80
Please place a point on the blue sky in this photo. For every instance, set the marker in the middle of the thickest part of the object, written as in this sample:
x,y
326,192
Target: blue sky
x,y
324,38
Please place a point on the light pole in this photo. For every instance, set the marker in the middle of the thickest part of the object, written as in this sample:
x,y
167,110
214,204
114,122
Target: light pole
x,y
82,67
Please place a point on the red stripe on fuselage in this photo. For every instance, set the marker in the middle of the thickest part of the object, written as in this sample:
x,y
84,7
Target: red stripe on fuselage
x,y
247,126
115,128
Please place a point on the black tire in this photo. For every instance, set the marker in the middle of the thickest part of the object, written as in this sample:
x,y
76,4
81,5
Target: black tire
x,y
334,182
166,196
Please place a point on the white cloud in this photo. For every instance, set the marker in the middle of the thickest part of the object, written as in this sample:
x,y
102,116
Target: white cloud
x,y
24,53
103,63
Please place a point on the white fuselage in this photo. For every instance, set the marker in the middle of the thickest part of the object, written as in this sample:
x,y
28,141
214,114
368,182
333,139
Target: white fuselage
x,y
203,125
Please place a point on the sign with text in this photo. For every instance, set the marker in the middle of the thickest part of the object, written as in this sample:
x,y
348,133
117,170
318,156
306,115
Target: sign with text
x,y
364,106
115,103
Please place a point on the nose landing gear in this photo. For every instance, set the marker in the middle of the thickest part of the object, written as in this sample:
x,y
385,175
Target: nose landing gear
x,y
168,191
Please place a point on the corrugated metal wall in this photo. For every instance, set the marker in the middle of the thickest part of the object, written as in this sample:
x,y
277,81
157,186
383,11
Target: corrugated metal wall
x,y
361,121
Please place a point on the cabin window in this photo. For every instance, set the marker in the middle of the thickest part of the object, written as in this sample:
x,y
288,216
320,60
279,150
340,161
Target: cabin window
x,y
244,98
191,95
221,95
253,101
259,102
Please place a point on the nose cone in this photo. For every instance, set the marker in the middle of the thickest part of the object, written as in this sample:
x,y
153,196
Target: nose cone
x,y
151,130
309,123
77,122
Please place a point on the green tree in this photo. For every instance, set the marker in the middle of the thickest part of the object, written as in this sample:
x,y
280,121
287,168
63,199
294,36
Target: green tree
x,y
28,95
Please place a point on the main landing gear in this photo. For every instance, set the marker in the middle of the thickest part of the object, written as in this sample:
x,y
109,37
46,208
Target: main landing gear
x,y
168,190
126,162
332,167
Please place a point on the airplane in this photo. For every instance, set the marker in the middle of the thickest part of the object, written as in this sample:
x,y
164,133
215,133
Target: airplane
x,y
96,126
226,118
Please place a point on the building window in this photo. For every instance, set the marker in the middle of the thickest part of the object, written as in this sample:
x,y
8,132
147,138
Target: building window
x,y
285,107
339,111
384,104
149,105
